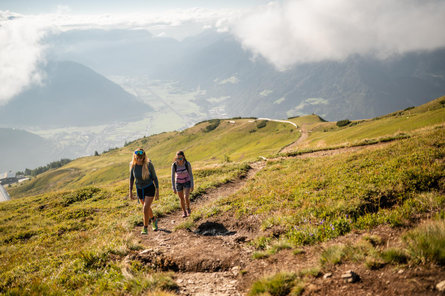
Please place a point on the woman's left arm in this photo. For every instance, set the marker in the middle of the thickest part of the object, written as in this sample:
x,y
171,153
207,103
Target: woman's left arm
x,y
151,169
192,184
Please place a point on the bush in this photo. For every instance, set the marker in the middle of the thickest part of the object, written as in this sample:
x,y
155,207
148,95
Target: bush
x,y
261,124
80,195
214,123
343,122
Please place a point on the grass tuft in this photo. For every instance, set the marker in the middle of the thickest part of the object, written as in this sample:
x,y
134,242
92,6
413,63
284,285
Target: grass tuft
x,y
280,284
426,243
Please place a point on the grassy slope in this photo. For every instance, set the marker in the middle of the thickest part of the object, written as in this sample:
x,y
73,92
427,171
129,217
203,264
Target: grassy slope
x,y
328,134
68,242
239,142
315,199
75,242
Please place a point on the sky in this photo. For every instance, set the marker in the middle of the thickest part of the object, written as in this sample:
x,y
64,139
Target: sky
x,y
284,32
119,6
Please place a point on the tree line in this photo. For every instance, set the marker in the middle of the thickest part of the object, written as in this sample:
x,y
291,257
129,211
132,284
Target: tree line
x,y
42,169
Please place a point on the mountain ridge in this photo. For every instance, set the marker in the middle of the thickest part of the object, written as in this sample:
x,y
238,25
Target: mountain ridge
x,y
72,95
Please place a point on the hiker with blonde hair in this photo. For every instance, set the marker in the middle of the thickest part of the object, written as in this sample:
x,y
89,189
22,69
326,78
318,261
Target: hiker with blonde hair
x,y
147,186
182,181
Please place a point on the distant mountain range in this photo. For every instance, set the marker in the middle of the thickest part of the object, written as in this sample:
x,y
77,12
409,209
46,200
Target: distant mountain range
x,y
214,67
71,95
20,149
358,87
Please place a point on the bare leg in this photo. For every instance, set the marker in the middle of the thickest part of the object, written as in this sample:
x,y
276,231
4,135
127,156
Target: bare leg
x,y
148,213
181,197
187,197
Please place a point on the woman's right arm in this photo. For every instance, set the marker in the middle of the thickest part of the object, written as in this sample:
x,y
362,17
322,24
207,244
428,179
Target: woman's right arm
x,y
173,178
131,183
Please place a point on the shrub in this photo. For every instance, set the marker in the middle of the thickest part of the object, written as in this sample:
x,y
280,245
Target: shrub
x,y
261,124
80,195
343,122
214,123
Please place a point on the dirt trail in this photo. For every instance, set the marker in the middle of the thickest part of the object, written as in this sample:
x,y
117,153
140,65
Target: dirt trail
x,y
203,265
222,264
301,139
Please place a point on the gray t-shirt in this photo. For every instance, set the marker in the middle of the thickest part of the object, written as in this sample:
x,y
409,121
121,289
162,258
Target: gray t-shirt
x,y
136,174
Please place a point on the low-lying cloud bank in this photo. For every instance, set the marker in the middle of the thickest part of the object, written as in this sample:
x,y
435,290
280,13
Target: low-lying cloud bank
x,y
301,31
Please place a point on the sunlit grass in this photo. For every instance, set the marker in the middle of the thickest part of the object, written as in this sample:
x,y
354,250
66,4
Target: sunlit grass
x,y
76,241
320,198
328,135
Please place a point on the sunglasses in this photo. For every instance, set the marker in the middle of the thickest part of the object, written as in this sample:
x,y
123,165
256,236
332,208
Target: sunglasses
x,y
139,152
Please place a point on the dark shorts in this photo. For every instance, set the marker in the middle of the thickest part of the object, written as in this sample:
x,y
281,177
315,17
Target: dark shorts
x,y
147,191
181,186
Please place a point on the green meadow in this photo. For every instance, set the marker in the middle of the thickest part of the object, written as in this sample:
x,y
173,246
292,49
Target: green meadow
x,y
327,134
69,231
315,199
76,241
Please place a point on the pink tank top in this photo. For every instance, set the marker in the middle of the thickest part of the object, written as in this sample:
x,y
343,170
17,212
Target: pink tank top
x,y
182,175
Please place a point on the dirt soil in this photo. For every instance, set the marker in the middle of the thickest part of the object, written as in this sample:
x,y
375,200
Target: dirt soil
x,y
222,264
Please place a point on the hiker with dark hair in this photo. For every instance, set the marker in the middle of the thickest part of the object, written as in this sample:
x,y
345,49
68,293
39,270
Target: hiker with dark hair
x,y
182,181
147,186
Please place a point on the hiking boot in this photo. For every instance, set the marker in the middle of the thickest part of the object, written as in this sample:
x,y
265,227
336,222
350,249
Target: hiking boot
x,y
184,215
154,224
189,211
144,230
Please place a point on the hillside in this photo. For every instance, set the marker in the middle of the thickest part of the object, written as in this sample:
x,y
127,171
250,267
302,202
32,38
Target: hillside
x,y
71,95
328,134
15,143
290,225
239,141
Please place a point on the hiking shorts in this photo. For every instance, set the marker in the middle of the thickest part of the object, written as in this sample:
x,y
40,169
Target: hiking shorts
x,y
181,186
146,191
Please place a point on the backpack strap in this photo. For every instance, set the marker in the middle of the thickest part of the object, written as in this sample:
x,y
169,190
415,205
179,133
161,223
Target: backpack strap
x,y
186,166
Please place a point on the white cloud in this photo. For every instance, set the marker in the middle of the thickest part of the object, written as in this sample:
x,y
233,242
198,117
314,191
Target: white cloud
x,y
20,54
280,100
266,92
298,110
232,79
22,48
299,31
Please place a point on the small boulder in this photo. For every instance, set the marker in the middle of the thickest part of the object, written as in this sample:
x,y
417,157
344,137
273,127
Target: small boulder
x,y
327,275
441,286
350,277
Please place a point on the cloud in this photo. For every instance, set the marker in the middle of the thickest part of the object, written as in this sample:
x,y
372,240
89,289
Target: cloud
x,y
20,54
21,36
300,31
232,80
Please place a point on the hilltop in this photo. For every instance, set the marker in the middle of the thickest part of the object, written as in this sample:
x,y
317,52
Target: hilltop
x,y
285,218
